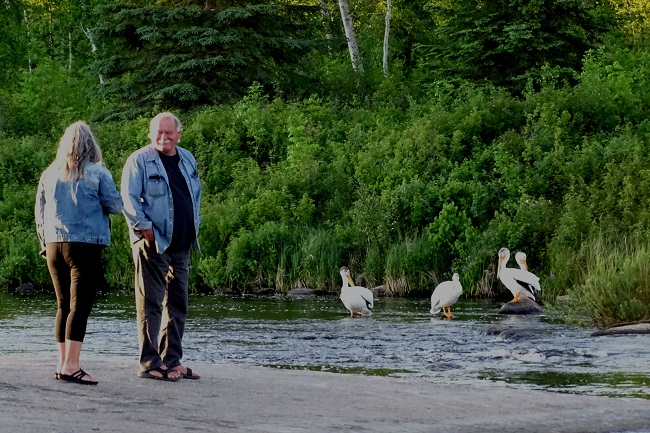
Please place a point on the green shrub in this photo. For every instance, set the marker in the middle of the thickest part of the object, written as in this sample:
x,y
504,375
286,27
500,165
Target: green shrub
x,y
119,270
615,283
46,101
320,260
252,256
20,261
409,269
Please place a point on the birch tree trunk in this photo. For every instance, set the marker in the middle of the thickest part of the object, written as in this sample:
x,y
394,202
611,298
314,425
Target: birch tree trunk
x,y
386,33
69,52
348,25
93,47
327,19
29,42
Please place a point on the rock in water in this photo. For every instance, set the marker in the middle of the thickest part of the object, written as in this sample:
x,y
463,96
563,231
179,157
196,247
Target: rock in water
x,y
26,289
638,328
301,291
379,291
524,306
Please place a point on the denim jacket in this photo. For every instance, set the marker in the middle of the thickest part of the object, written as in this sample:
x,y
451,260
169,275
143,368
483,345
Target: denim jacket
x,y
76,211
147,196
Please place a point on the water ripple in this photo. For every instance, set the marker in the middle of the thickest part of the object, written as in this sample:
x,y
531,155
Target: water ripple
x,y
400,339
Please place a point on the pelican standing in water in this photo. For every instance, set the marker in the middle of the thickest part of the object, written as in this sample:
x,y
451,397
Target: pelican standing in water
x,y
520,282
446,294
356,299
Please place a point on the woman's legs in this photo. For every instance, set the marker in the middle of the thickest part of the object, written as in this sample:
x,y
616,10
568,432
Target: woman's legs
x,y
83,263
60,274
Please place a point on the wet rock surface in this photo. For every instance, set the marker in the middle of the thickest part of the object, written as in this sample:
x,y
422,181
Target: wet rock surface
x,y
639,328
301,291
26,289
514,334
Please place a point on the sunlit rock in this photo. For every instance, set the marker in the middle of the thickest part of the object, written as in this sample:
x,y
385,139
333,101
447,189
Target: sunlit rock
x,y
638,328
524,306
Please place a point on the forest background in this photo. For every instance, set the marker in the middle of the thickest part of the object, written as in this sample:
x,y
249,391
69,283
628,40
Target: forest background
x,y
405,139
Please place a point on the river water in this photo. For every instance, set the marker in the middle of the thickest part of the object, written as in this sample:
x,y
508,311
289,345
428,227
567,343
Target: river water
x,y
400,339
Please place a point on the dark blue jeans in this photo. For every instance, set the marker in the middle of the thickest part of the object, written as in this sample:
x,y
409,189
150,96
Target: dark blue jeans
x,y
75,268
161,295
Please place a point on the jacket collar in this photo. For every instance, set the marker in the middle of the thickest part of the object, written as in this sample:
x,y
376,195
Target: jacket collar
x,y
152,153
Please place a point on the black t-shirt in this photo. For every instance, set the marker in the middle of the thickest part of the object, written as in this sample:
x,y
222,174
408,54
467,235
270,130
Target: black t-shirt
x,y
183,231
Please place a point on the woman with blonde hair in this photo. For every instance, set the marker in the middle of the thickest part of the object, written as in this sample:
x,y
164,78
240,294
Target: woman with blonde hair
x,y
75,196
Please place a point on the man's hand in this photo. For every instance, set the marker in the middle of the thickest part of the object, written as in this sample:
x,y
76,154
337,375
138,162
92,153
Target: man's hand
x,y
148,234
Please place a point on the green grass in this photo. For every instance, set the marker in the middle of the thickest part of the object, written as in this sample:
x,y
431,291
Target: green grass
x,y
613,286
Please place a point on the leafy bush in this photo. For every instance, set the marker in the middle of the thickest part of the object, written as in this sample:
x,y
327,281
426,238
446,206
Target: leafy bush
x,y
615,283
252,256
46,101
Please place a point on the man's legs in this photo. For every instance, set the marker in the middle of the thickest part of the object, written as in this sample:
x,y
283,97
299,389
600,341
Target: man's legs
x,y
150,287
171,348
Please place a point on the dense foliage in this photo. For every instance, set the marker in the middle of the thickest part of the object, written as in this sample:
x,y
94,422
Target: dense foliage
x,y
509,43
529,131
183,55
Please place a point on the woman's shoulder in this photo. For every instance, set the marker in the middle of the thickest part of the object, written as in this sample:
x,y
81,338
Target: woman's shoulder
x,y
97,170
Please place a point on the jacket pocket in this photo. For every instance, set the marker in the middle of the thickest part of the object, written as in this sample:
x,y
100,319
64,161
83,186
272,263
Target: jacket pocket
x,y
156,185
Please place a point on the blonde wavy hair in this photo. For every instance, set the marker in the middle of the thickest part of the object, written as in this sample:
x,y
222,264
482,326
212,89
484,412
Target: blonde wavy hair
x,y
77,148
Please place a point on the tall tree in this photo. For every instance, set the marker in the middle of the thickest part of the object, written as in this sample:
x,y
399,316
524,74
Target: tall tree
x,y
13,49
389,8
507,41
188,53
353,47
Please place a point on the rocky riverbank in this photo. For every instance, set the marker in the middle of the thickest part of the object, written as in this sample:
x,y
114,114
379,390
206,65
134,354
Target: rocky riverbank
x,y
236,398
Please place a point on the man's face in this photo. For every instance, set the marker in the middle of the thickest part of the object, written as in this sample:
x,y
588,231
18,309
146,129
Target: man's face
x,y
165,135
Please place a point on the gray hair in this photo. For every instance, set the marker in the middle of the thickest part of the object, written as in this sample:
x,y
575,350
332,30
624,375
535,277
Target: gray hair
x,y
77,148
156,120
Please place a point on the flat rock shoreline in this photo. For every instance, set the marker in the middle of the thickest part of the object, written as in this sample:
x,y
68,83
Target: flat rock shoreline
x,y
236,398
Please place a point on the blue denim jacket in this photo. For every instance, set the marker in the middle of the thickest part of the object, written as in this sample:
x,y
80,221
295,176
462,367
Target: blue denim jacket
x,y
147,196
76,211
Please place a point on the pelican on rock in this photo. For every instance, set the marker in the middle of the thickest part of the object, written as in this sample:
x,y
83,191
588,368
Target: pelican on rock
x,y
520,282
520,258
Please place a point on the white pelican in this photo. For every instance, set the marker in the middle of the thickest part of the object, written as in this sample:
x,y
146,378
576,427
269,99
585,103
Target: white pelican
x,y
519,281
357,299
520,258
445,295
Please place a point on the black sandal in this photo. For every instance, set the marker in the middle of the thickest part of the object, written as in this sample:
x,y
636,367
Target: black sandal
x,y
77,377
164,375
189,374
